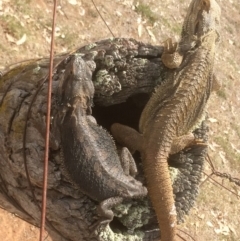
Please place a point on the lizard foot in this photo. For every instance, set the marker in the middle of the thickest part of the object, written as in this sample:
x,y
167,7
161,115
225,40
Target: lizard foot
x,y
171,57
106,214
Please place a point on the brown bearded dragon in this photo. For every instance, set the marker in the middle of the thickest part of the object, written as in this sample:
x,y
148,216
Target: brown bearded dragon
x,y
175,109
90,157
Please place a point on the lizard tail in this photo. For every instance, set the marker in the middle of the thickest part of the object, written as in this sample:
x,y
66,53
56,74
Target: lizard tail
x,y
160,190
159,185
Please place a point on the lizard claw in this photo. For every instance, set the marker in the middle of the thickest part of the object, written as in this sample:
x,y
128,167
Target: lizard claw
x,y
171,56
98,226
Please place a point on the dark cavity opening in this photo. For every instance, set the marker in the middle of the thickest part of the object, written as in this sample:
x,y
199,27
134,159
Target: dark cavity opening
x,y
127,113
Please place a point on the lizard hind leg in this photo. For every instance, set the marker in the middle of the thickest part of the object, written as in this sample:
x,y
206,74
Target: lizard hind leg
x,y
127,162
127,136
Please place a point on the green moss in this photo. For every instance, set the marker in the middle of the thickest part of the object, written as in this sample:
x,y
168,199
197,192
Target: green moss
x,y
23,6
13,26
176,28
165,22
234,64
231,155
69,38
146,12
229,29
236,128
222,94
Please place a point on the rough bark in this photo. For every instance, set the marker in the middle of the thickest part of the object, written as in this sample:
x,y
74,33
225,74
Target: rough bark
x,y
125,76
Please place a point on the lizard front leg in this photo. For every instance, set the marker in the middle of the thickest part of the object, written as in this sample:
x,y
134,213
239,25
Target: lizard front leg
x,y
133,140
171,56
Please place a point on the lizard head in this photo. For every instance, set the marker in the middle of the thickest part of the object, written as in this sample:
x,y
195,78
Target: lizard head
x,y
76,86
203,16
209,19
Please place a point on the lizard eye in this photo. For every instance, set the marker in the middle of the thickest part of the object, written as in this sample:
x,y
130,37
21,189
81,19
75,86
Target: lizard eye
x,y
206,5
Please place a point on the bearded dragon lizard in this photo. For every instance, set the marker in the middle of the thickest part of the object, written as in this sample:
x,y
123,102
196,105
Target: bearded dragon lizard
x,y
175,108
90,157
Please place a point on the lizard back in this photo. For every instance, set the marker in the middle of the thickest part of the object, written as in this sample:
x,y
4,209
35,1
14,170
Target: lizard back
x,y
89,154
95,167
186,101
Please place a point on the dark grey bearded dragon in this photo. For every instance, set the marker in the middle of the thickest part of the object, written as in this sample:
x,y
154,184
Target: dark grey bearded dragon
x,y
89,153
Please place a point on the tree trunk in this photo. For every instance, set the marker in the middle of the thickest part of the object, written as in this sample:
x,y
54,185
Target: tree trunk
x,y
125,76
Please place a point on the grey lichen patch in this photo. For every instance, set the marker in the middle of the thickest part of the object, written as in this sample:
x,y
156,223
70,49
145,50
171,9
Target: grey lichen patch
x,y
107,234
122,209
36,70
142,62
109,61
90,46
173,173
106,84
134,215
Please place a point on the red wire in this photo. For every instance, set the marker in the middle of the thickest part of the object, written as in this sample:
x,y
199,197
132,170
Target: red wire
x,y
46,154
